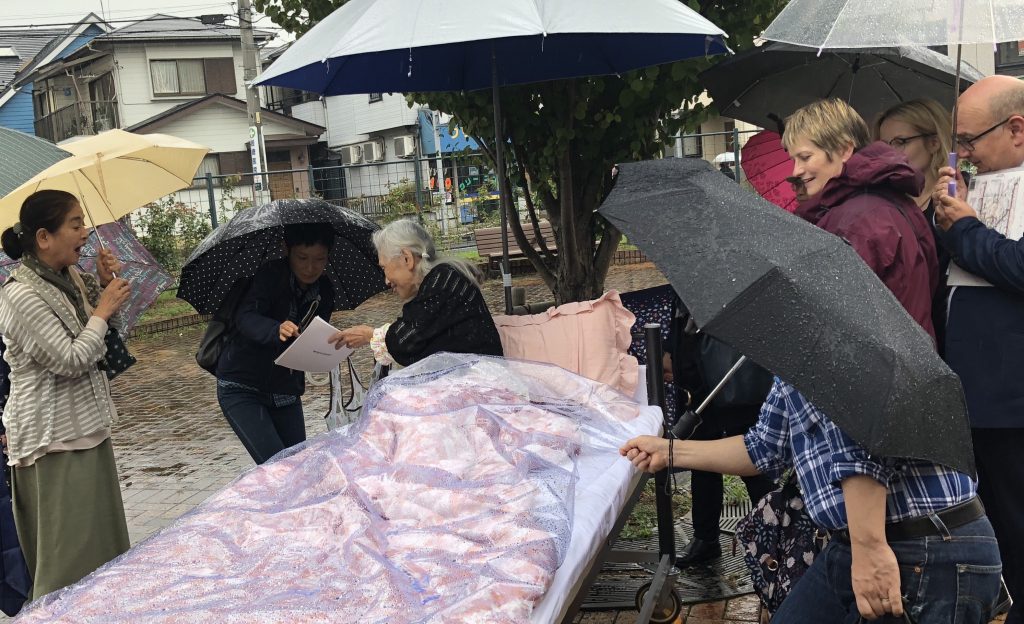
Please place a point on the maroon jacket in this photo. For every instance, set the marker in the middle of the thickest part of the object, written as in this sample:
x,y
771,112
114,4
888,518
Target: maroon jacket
x,y
869,205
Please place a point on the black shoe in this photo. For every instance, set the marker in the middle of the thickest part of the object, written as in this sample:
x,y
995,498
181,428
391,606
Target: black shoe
x,y
699,551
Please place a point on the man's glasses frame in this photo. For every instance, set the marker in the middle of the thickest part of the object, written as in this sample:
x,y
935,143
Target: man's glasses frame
x,y
968,143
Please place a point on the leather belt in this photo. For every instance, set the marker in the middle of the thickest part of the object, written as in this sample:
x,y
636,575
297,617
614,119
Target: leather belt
x,y
922,526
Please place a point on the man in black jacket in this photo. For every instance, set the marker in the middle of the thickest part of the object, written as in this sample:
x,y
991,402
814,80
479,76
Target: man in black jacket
x,y
985,326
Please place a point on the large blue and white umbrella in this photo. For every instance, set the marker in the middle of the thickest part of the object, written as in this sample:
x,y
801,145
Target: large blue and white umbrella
x,y
399,46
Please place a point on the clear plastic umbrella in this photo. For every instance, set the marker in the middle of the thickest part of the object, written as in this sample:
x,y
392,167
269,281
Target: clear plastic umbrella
x,y
878,23
874,23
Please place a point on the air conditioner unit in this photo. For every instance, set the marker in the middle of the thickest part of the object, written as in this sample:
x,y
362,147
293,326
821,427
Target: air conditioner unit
x,y
373,151
405,146
351,155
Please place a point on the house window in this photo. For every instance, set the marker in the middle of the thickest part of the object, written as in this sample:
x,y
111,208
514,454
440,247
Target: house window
x,y
1010,58
376,97
193,76
180,77
210,165
692,145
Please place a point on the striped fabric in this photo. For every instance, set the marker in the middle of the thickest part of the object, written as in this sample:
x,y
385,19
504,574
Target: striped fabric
x,y
57,392
792,432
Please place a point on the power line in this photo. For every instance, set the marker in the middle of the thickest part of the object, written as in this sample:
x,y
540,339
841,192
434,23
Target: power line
x,y
224,29
29,16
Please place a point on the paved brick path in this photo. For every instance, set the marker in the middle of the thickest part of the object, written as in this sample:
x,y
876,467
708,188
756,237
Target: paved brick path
x,y
174,448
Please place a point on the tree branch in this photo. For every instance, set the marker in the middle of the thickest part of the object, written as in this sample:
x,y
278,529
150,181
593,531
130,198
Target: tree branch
x,y
524,244
610,239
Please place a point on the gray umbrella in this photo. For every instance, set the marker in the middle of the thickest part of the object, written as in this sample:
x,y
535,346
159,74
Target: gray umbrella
x,y
22,156
798,301
764,85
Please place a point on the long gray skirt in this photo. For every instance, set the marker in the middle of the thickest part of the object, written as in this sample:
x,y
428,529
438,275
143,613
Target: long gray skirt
x,y
69,514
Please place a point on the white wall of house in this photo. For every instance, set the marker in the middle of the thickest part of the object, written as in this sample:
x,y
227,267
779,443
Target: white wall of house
x,y
221,128
313,112
134,83
353,119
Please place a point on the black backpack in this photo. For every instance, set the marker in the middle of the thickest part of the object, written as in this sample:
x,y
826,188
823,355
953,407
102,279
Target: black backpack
x,y
221,326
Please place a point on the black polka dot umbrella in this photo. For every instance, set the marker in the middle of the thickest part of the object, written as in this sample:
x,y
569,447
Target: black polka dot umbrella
x,y
237,249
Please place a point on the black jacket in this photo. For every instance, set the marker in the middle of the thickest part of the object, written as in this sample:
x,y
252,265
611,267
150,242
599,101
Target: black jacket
x,y
447,314
254,343
985,332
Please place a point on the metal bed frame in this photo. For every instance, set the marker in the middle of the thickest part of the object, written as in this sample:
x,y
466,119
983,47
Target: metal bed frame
x,y
657,601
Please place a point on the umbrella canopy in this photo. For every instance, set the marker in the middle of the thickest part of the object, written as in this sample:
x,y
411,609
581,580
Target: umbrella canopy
x,y
113,173
448,45
22,156
147,277
725,157
461,45
237,249
765,85
876,23
798,301
766,166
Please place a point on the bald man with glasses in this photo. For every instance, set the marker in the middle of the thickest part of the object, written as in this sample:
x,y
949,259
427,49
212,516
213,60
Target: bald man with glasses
x,y
985,326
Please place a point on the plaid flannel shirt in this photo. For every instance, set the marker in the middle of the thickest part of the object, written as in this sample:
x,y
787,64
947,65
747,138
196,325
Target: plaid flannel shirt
x,y
792,432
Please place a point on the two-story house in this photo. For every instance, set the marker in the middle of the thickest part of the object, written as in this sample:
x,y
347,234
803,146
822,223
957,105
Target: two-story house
x,y
22,50
178,76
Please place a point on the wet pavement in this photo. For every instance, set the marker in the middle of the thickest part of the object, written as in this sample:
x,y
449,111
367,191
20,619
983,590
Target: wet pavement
x,y
174,448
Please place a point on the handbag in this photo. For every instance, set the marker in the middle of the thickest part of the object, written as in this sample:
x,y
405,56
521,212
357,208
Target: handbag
x,y
780,542
219,328
118,358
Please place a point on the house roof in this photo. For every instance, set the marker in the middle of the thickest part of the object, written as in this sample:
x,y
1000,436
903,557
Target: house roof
x,y
155,122
27,44
168,27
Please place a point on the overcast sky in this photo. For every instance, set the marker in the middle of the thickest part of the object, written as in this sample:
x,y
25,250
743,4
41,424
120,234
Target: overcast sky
x,y
41,12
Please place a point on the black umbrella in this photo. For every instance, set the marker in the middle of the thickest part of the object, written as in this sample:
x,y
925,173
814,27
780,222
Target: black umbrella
x,y
236,249
798,301
765,85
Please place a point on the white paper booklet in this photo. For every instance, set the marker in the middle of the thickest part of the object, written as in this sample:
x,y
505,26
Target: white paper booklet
x,y
311,352
999,200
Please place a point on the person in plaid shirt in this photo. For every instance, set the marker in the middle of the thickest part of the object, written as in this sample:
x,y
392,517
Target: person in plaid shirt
x,y
908,536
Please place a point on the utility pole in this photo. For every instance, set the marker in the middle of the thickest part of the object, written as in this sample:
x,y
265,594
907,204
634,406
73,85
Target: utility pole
x,y
250,61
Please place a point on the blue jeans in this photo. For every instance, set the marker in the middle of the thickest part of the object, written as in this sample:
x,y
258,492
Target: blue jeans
x,y
951,580
265,423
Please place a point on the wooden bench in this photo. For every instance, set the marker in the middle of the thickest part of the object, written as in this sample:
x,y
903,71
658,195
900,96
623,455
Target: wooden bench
x,y
488,243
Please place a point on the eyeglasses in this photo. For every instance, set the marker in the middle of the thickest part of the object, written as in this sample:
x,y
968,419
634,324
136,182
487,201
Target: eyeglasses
x,y
968,143
901,142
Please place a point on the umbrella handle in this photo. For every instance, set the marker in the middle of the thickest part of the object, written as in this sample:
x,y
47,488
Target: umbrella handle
x,y
951,187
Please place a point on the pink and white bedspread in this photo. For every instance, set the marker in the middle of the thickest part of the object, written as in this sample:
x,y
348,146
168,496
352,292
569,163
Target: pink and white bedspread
x,y
450,500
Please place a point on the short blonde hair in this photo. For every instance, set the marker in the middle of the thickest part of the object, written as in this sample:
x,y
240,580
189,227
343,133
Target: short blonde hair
x,y
927,117
831,125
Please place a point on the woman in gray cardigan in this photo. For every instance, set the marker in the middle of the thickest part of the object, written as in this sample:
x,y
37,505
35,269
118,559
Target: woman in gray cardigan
x,y
67,502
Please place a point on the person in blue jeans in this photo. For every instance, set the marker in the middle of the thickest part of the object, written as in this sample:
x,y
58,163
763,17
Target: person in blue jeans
x,y
908,536
261,400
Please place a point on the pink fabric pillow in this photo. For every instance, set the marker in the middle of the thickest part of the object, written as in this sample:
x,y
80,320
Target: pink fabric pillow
x,y
589,338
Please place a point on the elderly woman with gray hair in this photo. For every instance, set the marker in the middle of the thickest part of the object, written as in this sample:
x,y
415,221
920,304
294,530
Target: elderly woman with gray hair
x,y
444,309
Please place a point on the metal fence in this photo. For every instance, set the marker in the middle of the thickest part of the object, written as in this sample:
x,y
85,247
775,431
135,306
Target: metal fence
x,y
455,194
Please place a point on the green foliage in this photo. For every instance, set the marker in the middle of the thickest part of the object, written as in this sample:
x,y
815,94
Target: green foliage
x,y
170,230
643,522
565,135
400,201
